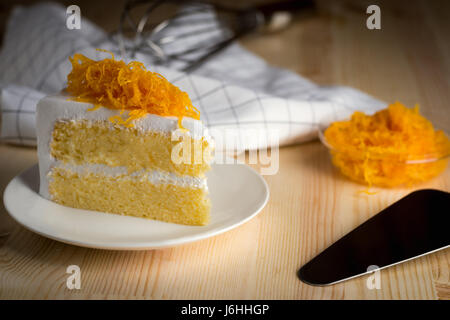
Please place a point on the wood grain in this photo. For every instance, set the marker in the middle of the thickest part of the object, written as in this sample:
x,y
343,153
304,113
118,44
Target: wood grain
x,y
311,205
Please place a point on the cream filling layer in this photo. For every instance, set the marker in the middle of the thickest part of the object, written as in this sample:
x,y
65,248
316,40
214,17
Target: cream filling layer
x,y
121,172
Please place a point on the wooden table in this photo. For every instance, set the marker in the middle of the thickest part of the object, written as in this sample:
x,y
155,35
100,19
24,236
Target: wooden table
x,y
311,204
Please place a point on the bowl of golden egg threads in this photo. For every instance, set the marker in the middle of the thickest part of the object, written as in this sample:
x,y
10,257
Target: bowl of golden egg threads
x,y
394,147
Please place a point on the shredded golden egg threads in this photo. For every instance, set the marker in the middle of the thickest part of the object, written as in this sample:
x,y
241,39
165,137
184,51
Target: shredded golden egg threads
x,y
395,146
116,85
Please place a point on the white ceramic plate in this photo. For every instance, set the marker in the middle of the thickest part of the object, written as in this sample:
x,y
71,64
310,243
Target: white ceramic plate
x,y
238,193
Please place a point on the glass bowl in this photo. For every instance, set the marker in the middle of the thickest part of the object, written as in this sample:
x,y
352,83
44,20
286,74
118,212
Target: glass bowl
x,y
384,170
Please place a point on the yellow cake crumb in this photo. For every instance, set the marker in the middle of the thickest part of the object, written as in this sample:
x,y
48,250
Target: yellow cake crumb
x,y
125,195
73,142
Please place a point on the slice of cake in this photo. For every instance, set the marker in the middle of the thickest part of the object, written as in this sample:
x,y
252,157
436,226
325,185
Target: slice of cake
x,y
124,140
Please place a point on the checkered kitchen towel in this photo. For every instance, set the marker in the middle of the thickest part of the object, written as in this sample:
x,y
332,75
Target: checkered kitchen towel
x,y
235,91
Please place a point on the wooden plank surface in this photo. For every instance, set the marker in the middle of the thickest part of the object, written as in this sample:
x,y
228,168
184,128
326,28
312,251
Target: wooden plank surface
x,y
311,204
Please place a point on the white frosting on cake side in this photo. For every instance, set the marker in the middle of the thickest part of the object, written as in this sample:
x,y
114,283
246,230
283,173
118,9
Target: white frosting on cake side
x,y
59,107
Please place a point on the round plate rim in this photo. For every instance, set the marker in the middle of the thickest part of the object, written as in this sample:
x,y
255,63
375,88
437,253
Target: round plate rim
x,y
132,245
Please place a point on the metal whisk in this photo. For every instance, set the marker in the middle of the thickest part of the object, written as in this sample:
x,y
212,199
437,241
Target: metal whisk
x,y
184,34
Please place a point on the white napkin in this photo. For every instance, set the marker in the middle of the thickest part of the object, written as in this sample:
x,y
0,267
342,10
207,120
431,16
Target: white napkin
x,y
239,95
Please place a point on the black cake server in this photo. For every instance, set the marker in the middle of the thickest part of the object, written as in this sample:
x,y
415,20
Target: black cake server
x,y
414,226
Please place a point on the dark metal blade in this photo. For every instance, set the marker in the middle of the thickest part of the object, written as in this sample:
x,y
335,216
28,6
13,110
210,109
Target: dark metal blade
x,y
416,225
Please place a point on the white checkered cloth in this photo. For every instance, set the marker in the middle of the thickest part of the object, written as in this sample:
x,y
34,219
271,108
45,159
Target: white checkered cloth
x,y
236,92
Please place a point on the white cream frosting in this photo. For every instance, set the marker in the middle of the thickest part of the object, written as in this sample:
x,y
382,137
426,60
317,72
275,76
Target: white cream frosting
x,y
153,176
59,107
